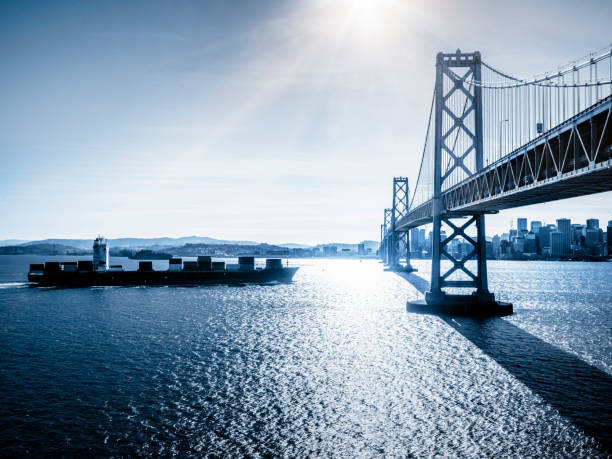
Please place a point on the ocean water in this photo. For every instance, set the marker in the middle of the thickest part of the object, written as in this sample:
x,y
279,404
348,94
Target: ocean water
x,y
330,365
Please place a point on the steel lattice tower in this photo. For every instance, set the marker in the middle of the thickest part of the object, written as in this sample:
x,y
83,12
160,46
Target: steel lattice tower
x,y
399,240
465,118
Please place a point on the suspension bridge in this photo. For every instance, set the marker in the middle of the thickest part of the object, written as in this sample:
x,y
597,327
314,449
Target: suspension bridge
x,y
494,142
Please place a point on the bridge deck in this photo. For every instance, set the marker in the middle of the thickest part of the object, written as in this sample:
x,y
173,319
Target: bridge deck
x,y
573,159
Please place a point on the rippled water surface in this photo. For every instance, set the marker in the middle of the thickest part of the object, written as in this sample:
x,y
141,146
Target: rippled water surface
x,y
330,365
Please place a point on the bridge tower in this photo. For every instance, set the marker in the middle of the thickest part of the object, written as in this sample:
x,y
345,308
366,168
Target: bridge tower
x,y
399,241
452,119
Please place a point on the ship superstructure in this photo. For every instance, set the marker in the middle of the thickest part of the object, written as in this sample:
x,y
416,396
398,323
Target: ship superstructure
x,y
100,254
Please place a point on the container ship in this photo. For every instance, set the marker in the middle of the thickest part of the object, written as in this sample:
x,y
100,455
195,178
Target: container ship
x,y
97,272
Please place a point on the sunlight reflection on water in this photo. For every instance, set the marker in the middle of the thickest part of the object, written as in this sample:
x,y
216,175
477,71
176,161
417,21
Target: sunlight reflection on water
x,y
331,364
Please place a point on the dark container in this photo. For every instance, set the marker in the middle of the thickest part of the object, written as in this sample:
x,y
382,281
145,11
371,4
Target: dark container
x,y
218,266
176,261
246,263
145,266
190,266
274,263
52,266
69,263
37,267
204,263
85,265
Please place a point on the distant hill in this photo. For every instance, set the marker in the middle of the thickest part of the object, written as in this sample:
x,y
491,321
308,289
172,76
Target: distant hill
x,y
140,243
41,249
159,244
12,242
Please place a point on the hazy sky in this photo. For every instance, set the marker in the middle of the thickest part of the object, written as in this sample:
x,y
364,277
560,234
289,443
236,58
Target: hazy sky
x,y
278,121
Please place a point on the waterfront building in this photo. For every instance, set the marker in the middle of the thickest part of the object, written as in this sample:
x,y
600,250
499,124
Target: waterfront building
x,y
609,238
496,247
519,244
414,240
422,239
543,239
565,228
521,224
577,233
530,244
591,237
556,243
503,249
330,251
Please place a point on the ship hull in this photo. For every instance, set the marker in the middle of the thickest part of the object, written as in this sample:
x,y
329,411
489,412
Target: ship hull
x,y
131,278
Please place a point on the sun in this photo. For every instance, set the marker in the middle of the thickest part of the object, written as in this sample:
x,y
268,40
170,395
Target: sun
x,y
364,17
365,23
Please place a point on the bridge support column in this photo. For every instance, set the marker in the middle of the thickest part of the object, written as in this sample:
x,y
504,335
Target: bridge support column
x,y
458,110
481,301
399,241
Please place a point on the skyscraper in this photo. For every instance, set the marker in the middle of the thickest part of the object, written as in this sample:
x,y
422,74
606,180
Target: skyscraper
x,y
496,247
535,226
530,243
414,240
591,237
521,224
543,238
556,243
564,226
592,223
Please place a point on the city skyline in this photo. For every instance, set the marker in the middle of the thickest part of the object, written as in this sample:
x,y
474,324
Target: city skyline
x,y
530,239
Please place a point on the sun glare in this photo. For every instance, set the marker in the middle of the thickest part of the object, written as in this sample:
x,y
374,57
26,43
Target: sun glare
x,y
364,17
366,23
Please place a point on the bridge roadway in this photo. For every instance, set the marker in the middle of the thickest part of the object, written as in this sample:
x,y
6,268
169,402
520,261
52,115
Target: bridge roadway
x,y
571,159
